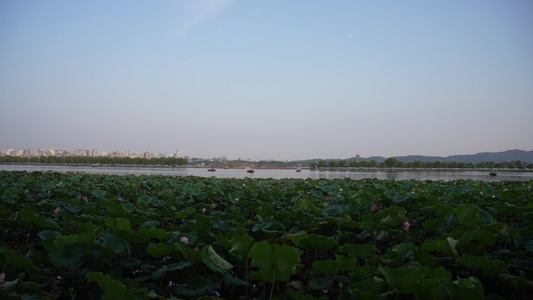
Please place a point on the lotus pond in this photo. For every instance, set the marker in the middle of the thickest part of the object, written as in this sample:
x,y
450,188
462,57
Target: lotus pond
x,y
90,236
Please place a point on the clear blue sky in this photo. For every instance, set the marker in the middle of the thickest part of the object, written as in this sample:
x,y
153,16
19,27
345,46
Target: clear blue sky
x,y
268,79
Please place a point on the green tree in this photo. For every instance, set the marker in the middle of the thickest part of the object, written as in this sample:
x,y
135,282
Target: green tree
x,y
391,162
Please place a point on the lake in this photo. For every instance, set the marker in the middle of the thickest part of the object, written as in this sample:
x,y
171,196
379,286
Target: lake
x,y
446,175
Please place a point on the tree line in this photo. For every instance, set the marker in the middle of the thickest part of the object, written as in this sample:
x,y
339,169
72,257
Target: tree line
x,y
97,160
394,163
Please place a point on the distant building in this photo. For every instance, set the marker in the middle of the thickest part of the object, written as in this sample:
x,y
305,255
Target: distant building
x,y
358,156
81,152
147,155
179,154
94,153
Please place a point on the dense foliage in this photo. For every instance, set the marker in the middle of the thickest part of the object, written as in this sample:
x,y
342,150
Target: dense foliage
x,y
394,163
66,235
156,161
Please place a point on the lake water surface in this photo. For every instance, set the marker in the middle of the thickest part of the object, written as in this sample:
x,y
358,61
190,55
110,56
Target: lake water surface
x,y
446,175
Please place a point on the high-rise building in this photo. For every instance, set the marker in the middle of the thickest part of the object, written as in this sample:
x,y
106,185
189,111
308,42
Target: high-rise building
x,y
94,153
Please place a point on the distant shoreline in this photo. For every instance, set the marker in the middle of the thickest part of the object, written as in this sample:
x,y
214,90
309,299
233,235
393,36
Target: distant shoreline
x,y
267,167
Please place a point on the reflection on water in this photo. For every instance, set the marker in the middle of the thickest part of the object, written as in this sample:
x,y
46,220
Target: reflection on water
x,y
446,175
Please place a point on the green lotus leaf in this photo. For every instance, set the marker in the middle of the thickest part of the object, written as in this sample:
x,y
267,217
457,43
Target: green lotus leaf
x,y
443,210
159,250
424,258
468,214
216,263
157,233
441,274
229,280
241,245
529,246
197,285
113,289
17,259
224,226
261,226
320,283
66,256
465,289
318,242
149,224
393,216
328,266
170,268
128,207
84,237
9,286
99,194
47,235
404,279
435,224
275,262
484,236
362,251
395,197
113,241
332,209
431,289
11,194
36,220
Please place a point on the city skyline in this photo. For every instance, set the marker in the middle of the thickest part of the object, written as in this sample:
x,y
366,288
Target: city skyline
x,y
268,79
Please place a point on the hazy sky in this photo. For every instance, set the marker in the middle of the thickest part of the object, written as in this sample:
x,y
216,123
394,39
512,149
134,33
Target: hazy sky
x,y
268,79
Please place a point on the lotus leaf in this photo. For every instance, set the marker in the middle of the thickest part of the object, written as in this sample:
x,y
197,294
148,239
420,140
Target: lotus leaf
x,y
328,266
362,251
17,259
318,242
196,286
66,256
320,283
113,241
275,262
216,263
170,268
241,245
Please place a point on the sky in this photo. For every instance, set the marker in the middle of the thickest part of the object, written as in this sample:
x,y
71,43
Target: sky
x,y
283,80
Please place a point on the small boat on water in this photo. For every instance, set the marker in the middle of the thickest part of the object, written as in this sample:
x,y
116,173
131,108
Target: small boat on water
x,y
211,170
493,173
251,170
299,168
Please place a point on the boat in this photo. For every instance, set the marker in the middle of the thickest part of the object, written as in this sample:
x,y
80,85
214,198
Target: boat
x,y
211,170
299,168
251,170
493,173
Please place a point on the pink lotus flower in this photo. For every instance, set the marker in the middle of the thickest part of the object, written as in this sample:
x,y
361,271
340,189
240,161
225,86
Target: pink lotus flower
x,y
57,210
373,208
406,226
184,240
203,210
329,198
236,199
410,266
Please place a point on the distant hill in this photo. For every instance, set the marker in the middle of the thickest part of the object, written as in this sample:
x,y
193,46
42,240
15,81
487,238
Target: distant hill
x,y
508,156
